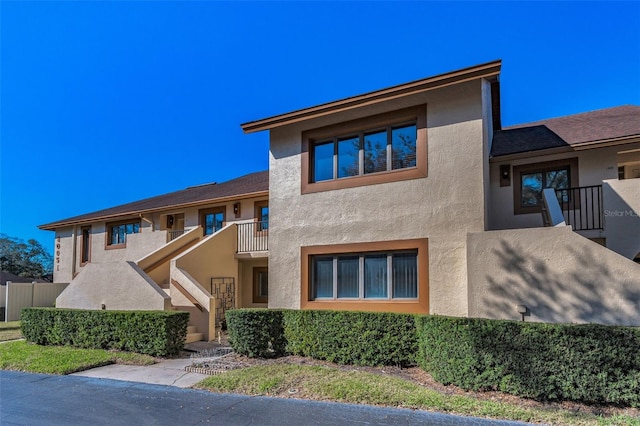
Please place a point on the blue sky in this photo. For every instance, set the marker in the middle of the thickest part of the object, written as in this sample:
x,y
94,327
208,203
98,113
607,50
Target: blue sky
x,y
104,103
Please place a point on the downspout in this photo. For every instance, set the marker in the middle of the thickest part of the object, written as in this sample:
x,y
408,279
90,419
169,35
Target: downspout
x,y
150,222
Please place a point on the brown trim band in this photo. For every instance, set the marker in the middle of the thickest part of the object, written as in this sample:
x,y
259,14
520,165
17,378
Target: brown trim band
x,y
421,305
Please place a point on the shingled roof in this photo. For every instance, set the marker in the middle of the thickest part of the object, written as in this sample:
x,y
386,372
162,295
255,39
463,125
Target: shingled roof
x,y
571,131
255,184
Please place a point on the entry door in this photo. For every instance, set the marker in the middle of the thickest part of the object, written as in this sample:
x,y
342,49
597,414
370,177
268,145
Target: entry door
x,y
212,220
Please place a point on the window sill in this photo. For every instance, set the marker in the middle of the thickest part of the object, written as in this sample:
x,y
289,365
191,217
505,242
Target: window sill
x,y
384,305
115,246
364,180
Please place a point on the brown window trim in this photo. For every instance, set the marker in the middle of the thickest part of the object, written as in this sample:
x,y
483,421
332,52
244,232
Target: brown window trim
x,y
203,212
417,114
256,274
107,234
421,305
82,245
572,163
256,216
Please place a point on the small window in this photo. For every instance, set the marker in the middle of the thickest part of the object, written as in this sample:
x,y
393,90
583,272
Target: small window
x,y
531,179
388,275
212,220
260,285
262,216
85,247
117,233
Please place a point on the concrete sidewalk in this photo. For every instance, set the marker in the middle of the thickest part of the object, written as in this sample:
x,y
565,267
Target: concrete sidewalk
x,y
166,372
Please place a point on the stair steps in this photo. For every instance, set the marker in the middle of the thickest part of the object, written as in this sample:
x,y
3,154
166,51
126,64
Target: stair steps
x,y
193,335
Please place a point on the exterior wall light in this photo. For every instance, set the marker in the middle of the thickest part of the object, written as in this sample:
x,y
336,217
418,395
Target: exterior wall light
x,y
505,175
103,306
236,209
522,310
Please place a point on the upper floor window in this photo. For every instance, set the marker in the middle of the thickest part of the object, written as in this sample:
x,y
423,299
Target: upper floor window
x,y
372,151
383,148
531,179
85,247
262,215
117,232
212,220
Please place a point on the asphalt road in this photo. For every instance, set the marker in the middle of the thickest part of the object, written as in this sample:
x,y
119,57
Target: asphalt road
x,y
38,399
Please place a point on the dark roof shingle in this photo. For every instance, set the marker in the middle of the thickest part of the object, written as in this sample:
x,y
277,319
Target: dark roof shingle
x,y
568,131
244,185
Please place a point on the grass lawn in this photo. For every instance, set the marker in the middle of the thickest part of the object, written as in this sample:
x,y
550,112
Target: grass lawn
x,y
23,356
333,384
10,331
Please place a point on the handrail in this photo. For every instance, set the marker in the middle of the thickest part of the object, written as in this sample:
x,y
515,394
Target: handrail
x,y
253,236
582,207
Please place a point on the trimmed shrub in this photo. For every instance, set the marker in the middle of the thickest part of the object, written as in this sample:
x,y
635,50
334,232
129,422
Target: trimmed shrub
x,y
256,332
350,337
157,333
590,363
345,337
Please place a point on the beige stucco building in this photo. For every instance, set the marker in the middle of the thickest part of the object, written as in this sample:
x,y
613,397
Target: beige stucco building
x,y
408,199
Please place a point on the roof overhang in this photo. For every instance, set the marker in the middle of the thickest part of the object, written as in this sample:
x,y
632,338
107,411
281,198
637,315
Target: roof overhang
x,y
581,146
490,69
136,213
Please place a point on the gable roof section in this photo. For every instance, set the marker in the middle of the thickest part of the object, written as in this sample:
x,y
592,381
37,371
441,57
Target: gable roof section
x,y
490,69
590,129
254,184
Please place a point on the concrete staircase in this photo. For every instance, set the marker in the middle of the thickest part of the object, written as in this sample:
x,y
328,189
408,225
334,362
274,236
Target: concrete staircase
x,y
193,335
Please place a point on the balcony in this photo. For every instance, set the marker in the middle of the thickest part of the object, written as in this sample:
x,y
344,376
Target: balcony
x,y
582,207
253,236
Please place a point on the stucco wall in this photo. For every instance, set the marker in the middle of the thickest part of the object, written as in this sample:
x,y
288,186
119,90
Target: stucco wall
x,y
442,207
595,165
118,285
63,255
558,274
622,216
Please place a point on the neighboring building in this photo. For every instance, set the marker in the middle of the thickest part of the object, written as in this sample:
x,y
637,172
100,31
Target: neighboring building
x,y
407,199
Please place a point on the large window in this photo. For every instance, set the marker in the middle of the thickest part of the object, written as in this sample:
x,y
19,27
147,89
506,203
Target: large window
x,y
117,232
373,151
389,275
531,179
383,148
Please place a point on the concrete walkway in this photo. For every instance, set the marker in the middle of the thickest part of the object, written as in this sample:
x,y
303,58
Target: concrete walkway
x,y
166,372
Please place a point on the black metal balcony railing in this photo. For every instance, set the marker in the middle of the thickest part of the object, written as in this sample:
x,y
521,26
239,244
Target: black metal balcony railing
x,y
582,207
253,236
172,235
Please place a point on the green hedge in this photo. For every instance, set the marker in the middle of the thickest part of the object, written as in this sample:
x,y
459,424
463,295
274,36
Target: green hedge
x,y
349,337
157,333
590,363
345,337
256,332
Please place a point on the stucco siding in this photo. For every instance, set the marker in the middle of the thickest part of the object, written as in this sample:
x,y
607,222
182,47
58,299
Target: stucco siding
x,y
622,216
442,207
118,285
557,274
595,165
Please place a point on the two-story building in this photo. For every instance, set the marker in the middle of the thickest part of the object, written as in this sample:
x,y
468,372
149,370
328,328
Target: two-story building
x,y
411,198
